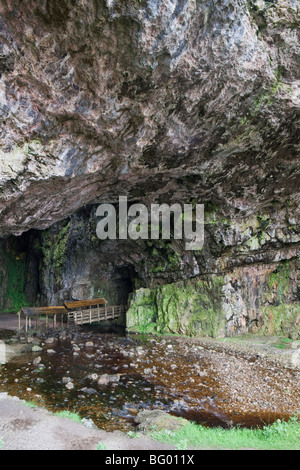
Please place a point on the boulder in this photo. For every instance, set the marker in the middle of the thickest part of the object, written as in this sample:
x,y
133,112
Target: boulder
x,y
158,420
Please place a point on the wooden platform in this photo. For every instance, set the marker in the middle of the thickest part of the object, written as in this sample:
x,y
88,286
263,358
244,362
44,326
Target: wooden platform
x,y
36,313
75,312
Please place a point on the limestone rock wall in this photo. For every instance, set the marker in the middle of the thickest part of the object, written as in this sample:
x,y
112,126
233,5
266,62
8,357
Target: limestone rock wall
x,y
259,299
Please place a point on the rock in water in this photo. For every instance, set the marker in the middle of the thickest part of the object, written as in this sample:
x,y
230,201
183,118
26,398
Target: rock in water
x,y
107,379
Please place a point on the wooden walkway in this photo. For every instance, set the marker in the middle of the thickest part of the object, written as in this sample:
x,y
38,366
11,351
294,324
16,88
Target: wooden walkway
x,y
74,312
80,317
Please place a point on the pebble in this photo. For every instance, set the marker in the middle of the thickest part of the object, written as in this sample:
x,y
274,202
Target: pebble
x,y
89,391
66,380
93,376
88,423
49,340
140,351
69,385
106,379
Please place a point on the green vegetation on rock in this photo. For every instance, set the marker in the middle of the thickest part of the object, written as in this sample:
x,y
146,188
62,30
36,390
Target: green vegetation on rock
x,y
162,257
191,308
16,273
53,247
279,280
281,319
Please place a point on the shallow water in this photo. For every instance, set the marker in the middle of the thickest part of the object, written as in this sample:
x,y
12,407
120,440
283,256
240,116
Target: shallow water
x,y
154,374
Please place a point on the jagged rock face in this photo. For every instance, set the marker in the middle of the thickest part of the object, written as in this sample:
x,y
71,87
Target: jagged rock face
x,y
156,100
162,101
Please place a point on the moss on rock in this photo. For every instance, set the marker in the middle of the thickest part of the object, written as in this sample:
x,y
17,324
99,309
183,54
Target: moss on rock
x,y
282,320
279,280
15,263
53,247
191,308
142,311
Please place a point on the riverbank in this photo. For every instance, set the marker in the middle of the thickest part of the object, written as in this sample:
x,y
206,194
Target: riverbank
x,y
23,427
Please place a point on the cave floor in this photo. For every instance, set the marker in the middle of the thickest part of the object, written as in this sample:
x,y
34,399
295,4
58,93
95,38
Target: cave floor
x,y
10,321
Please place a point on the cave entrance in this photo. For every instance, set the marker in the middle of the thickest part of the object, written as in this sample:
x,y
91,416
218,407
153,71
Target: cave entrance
x,y
26,279
124,278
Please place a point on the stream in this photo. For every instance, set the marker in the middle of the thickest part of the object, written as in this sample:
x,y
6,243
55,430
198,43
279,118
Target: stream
x,y
164,373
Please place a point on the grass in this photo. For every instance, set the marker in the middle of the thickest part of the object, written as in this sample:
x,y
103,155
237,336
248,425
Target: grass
x,y
30,404
101,446
283,343
133,434
70,415
63,414
281,435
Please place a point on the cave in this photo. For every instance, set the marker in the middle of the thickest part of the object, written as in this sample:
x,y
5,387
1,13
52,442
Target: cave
x,y
179,102
64,262
195,113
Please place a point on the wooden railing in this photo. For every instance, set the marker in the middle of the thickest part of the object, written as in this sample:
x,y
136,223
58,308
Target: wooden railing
x,y
78,316
98,314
